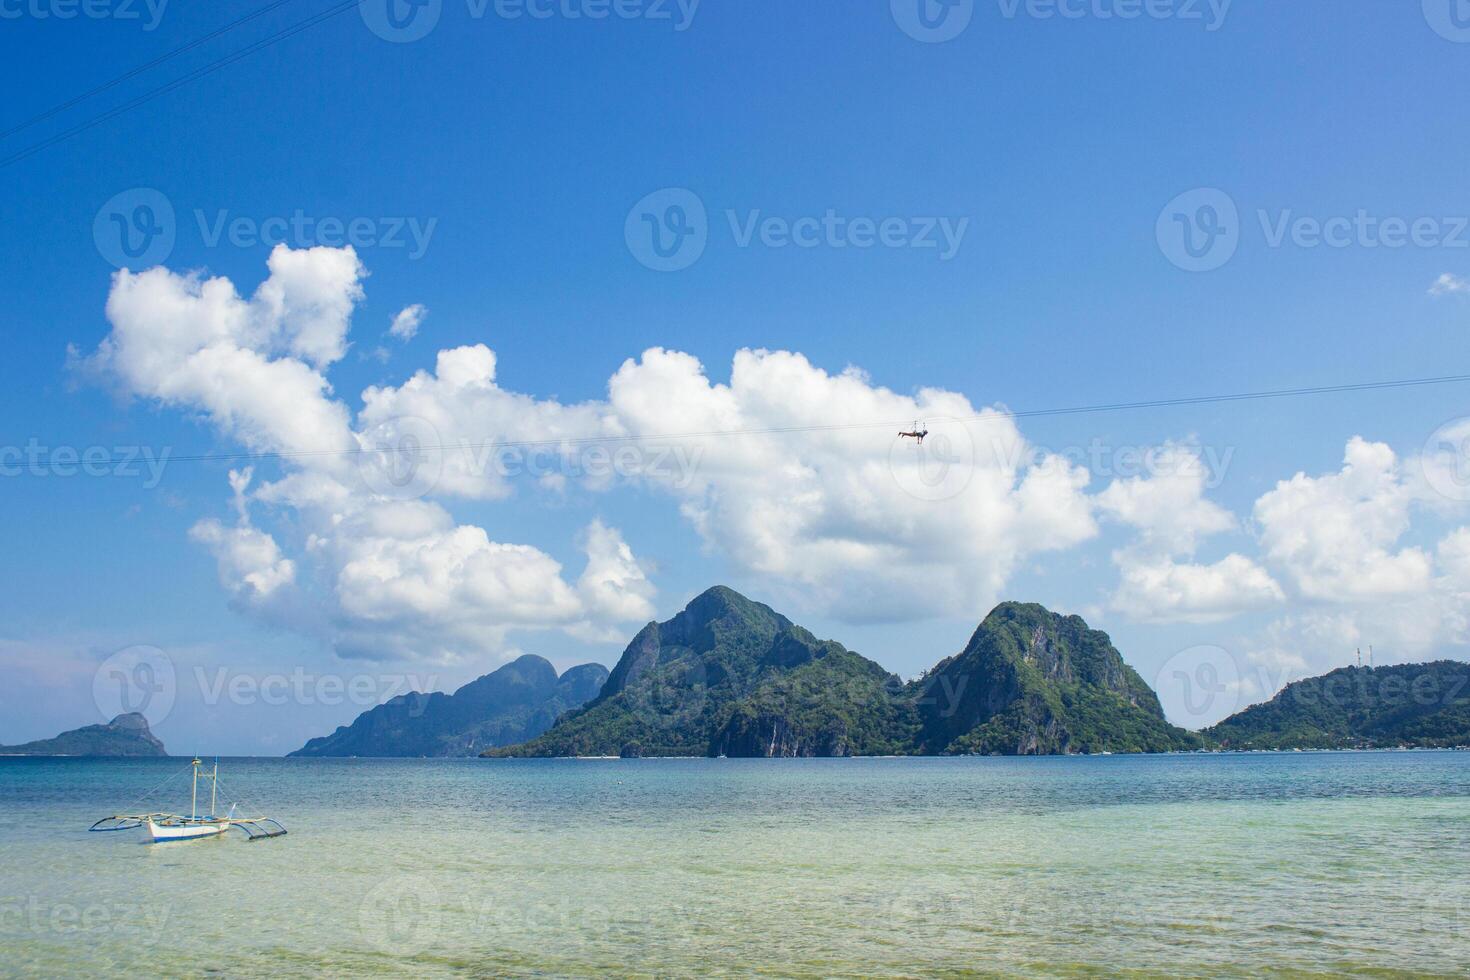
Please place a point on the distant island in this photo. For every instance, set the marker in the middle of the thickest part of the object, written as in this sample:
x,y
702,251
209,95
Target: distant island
x,y
728,676
125,735
732,677
1402,706
517,702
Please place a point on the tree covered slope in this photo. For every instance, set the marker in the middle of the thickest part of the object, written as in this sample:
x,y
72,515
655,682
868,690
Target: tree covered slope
x,y
728,676
1416,705
1032,682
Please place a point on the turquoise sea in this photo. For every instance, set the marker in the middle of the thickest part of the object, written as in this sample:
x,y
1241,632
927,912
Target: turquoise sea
x,y
1233,865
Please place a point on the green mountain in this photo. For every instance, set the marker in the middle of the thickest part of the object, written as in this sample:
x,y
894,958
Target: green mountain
x,y
516,702
728,676
1417,705
1031,682
125,735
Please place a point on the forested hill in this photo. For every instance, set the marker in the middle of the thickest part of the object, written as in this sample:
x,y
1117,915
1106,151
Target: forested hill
x,y
1411,705
728,676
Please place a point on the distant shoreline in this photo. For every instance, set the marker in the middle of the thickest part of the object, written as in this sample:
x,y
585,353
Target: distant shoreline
x,y
706,758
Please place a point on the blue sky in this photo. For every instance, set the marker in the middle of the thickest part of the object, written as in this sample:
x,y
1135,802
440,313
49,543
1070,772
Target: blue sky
x,y
517,147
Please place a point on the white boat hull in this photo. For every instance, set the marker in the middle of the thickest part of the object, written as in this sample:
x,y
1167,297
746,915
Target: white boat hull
x,y
186,831
165,827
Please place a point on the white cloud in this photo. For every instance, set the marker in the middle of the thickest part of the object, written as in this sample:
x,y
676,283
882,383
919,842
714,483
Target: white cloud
x,y
460,405
392,577
1454,559
613,581
1162,590
196,344
250,562
307,301
406,322
853,521
447,590
251,566
1172,516
840,520
1449,283
1334,536
1168,505
850,521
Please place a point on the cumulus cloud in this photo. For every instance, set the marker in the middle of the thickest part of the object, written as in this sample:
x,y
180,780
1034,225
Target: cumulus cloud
x,y
446,591
854,521
1334,536
614,583
250,562
1336,539
1164,590
406,322
1168,505
1168,509
851,521
460,406
847,519
1454,559
392,577
252,366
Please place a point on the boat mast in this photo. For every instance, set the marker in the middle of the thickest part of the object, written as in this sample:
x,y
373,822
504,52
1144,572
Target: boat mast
x,y
213,788
194,801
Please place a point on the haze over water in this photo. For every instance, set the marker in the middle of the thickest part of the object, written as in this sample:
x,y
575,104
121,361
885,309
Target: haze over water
x,y
1173,865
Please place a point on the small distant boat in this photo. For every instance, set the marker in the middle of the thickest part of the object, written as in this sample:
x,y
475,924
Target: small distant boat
x,y
166,827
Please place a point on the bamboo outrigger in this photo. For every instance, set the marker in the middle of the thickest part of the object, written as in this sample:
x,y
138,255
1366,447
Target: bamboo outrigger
x,y
164,827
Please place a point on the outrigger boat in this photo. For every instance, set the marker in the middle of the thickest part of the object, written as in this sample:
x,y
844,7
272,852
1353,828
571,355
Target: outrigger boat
x,y
164,827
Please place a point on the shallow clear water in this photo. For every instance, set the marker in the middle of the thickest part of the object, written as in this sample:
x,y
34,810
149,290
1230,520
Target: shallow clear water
x,y
1176,865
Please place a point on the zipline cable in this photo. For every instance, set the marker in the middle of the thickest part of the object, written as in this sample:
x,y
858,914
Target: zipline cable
x,y
989,416
194,75
134,73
